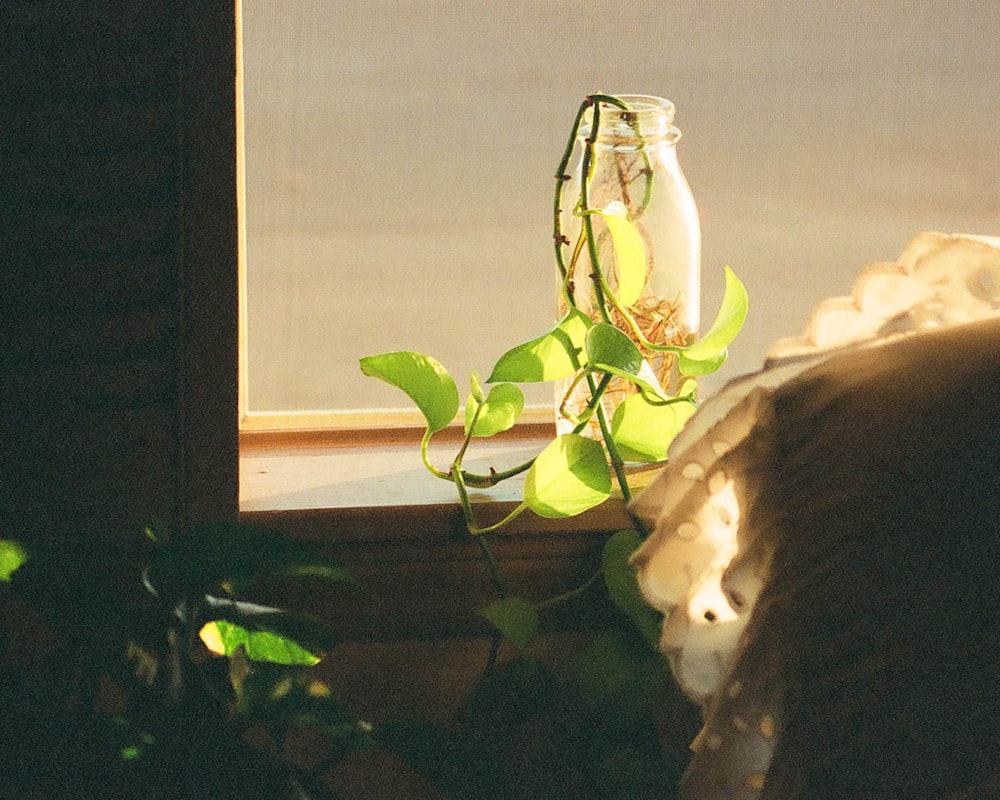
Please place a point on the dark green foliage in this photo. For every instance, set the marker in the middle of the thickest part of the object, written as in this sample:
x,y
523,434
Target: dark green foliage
x,y
119,699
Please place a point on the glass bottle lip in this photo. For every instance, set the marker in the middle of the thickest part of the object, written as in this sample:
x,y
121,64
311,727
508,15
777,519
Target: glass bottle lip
x,y
648,119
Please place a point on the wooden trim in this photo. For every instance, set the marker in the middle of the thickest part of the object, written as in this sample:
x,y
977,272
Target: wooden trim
x,y
207,414
392,429
241,210
351,420
424,577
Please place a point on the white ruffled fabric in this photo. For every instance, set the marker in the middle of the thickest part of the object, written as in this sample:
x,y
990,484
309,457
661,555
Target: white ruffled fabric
x,y
719,520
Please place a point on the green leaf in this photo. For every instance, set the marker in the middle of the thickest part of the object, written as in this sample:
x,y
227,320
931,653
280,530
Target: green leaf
x,y
12,556
643,432
301,630
497,412
703,367
264,632
516,618
623,586
423,378
611,350
710,350
630,252
549,357
568,477
258,645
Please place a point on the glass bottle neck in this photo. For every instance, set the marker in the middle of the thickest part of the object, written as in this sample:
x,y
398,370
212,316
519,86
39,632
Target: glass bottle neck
x,y
647,121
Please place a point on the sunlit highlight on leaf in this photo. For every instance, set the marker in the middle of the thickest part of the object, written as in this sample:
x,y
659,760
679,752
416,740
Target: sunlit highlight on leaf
x,y
643,432
423,378
224,638
710,350
501,409
551,356
568,477
630,252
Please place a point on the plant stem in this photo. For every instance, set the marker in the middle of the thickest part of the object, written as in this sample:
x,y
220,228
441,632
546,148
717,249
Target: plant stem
x,y
479,534
633,325
471,523
499,584
617,463
596,393
425,457
562,177
569,595
495,477
597,276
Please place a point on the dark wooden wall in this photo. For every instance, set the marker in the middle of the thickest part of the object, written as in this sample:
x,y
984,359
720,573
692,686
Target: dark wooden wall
x,y
118,273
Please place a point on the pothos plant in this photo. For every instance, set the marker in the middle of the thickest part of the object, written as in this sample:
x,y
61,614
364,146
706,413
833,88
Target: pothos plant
x,y
194,690
579,469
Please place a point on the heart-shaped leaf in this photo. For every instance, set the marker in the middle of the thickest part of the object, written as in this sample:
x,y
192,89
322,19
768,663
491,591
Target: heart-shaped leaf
x,y
497,412
568,477
516,618
643,432
551,356
423,378
611,350
704,367
224,638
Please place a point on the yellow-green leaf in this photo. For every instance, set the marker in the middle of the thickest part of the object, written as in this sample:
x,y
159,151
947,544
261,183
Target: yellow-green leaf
x,y
568,477
610,349
551,356
711,348
224,638
643,432
630,252
497,412
12,556
423,378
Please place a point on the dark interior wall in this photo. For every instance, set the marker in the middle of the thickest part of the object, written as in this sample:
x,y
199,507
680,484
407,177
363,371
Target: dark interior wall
x,y
118,279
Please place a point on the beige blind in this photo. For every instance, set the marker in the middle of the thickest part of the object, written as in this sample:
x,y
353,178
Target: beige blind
x,y
399,163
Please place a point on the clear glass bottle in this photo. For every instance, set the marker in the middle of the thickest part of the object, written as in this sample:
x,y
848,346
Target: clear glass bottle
x,y
634,162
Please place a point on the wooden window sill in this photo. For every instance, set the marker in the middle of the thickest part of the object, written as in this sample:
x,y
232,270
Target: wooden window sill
x,y
369,501
320,473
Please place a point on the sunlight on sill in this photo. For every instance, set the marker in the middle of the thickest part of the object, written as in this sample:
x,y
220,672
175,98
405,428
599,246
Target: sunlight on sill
x,y
379,472
292,472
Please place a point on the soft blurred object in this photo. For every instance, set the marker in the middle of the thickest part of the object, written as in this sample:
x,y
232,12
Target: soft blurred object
x,y
826,550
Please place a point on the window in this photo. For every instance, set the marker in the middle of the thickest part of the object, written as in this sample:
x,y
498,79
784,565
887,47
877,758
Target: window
x,y
399,161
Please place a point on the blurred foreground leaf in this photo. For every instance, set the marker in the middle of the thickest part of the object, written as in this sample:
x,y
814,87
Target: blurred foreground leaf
x,y
12,556
516,618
